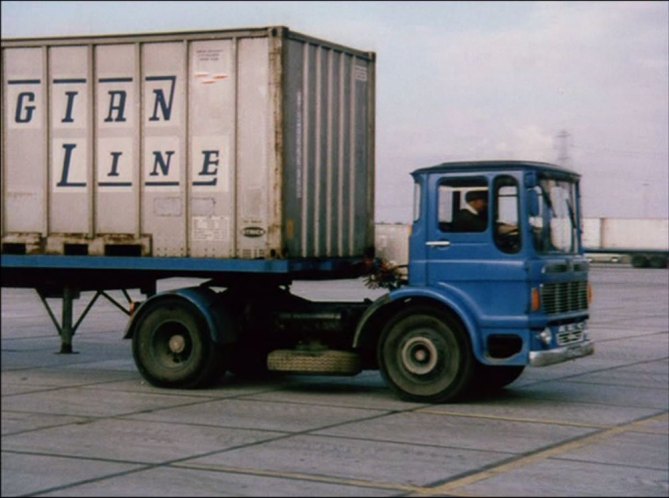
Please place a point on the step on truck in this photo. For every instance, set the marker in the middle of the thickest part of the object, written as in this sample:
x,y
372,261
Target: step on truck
x,y
245,158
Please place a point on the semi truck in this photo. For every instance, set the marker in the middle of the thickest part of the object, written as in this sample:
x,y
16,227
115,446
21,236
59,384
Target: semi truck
x,y
644,242
245,158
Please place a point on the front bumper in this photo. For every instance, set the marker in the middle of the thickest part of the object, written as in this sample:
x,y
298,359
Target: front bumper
x,y
561,354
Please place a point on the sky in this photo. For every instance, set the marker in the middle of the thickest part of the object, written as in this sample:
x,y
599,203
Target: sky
x,y
582,84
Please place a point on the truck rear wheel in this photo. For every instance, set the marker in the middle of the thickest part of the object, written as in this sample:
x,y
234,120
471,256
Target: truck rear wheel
x,y
172,347
425,355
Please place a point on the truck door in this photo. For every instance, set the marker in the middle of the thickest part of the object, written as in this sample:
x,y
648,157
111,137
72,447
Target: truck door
x,y
457,232
473,242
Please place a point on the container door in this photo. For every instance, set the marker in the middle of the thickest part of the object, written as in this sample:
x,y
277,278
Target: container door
x,y
164,147
24,208
212,115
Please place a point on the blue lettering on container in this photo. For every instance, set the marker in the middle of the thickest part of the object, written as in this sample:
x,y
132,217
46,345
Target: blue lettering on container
x,y
27,116
66,168
210,159
164,104
118,106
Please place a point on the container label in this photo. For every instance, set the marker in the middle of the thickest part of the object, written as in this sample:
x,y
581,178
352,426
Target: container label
x,y
360,73
253,232
211,228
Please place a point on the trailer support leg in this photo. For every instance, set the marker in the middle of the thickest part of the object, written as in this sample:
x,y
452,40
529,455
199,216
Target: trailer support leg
x,y
67,331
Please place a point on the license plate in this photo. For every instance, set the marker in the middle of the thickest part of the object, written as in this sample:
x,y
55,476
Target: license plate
x,y
570,333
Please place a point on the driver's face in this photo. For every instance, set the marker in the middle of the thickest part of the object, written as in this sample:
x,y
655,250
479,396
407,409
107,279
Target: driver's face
x,y
480,205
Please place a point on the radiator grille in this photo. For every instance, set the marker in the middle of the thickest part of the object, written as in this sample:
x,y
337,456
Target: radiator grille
x,y
563,297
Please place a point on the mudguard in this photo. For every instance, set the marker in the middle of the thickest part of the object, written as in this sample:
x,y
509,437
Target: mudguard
x,y
403,297
220,326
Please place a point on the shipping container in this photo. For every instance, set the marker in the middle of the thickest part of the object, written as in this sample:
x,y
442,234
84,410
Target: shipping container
x,y
626,234
253,143
645,242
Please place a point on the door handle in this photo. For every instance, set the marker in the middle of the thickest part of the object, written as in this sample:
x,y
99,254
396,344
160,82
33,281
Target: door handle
x,y
438,243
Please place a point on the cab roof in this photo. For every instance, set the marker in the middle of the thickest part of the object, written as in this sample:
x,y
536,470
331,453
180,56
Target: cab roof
x,y
476,166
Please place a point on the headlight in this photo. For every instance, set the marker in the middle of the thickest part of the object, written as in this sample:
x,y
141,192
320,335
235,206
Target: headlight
x,y
546,336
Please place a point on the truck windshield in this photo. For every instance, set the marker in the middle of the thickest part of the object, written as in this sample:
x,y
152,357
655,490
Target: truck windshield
x,y
556,224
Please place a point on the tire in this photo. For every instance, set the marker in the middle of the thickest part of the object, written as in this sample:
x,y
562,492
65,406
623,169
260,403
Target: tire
x,y
172,347
325,362
490,378
658,262
639,261
425,356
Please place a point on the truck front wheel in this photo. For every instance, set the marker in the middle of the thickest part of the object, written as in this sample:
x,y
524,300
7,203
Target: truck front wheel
x,y
172,347
425,355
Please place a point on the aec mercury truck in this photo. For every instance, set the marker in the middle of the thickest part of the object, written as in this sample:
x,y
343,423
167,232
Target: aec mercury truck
x,y
246,158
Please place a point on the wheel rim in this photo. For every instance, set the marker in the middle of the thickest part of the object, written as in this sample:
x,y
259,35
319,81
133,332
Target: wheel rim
x,y
172,344
419,355
423,359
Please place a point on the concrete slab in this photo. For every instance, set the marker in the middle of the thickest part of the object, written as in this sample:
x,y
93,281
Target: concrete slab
x,y
460,432
250,414
26,474
647,451
515,405
171,481
16,422
90,402
132,441
395,464
556,477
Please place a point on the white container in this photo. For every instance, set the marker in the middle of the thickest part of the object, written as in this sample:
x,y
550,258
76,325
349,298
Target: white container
x,y
254,143
621,233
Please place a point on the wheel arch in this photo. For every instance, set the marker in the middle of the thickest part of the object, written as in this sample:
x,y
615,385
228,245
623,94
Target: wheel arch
x,y
219,325
371,324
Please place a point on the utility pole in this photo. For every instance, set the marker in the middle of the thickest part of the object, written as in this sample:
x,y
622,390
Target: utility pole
x,y
563,148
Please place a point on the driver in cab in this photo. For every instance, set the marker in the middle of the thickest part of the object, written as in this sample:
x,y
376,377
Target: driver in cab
x,y
473,217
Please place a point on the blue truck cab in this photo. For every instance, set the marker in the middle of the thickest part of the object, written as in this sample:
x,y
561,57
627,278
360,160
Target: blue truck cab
x,y
484,300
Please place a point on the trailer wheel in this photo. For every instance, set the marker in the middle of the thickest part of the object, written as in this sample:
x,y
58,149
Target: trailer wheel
x,y
658,261
172,347
639,261
425,355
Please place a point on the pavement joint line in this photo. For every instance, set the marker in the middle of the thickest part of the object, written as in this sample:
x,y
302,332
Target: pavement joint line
x,y
574,444
514,419
450,487
300,477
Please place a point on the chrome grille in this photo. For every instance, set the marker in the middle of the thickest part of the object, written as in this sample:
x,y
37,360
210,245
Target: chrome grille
x,y
563,297
565,337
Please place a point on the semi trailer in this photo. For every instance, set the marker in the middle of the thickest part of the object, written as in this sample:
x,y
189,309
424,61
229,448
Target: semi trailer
x,y
245,158
644,242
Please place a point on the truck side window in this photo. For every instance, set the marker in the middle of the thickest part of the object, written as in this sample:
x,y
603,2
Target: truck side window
x,y
463,205
507,234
